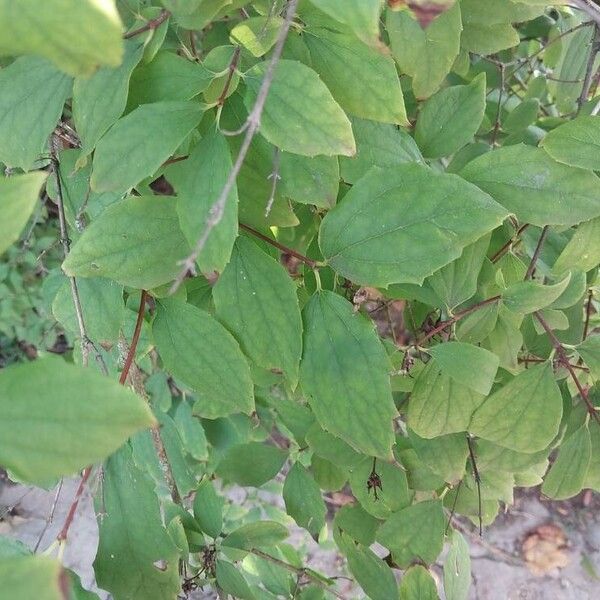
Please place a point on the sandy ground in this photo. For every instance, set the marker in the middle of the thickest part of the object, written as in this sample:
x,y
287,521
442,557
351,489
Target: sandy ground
x,y
565,534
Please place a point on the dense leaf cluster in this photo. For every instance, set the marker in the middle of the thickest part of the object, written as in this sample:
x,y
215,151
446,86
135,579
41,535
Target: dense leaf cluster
x,y
327,246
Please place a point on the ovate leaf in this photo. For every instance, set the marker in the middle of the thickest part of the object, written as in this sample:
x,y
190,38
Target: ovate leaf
x,y
256,300
208,509
363,80
589,350
537,189
198,182
523,415
582,250
426,54
576,143
137,242
415,532
528,296
99,100
251,464
39,577
470,365
457,568
77,35
255,535
345,374
300,115
56,418
136,557
231,581
257,34
217,371
417,583
303,501
567,475
18,195
400,225
127,153
450,119
33,95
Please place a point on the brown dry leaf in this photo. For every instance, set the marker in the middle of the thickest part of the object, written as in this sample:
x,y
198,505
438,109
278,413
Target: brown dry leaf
x,y
544,549
424,10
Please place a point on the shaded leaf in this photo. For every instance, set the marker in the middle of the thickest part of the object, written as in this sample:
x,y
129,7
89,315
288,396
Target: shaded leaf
x,y
303,501
251,464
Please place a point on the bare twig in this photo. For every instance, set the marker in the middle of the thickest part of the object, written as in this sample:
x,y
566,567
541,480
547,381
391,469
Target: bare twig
x,y
589,8
509,244
588,313
274,177
299,571
502,70
536,253
253,123
477,481
64,532
589,70
134,339
151,24
50,517
231,70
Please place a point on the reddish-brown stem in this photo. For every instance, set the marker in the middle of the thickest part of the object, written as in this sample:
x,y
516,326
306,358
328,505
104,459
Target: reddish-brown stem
x,y
64,532
588,314
535,359
500,253
307,261
564,361
457,317
151,24
536,253
232,67
134,339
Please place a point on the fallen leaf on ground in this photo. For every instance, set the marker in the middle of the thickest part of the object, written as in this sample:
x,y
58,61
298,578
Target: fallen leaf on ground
x,y
544,549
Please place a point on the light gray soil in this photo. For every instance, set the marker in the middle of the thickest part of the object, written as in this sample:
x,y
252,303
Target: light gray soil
x,y
499,569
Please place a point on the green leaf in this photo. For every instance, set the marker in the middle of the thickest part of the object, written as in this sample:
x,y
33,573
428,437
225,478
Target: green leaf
x,y
256,535
582,250
137,242
251,464
457,568
470,365
506,339
99,100
102,308
331,448
39,577
18,197
415,532
167,77
522,116
450,118
474,328
445,455
353,520
127,153
457,282
427,55
439,404
576,143
567,475
360,16
77,35
257,34
534,187
589,350
218,371
592,478
136,557
198,181
377,145
393,494
363,80
523,415
208,509
310,180
372,574
400,225
344,373
33,95
528,296
41,402
231,581
300,115
256,300
418,584
303,501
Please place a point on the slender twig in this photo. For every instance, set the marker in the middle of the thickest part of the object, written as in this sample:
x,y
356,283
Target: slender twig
x,y
588,314
535,359
536,253
457,317
477,481
313,264
274,177
216,211
589,70
300,571
135,338
453,508
564,361
509,244
151,24
86,343
231,70
64,532
50,517
588,7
